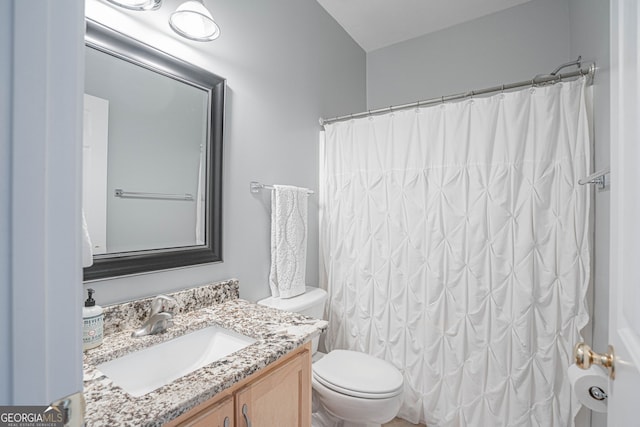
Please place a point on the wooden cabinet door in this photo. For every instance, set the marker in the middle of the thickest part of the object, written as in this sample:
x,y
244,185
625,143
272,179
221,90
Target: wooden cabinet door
x,y
280,398
218,415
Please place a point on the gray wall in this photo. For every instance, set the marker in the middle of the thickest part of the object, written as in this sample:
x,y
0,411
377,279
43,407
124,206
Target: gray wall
x,y
589,37
41,74
287,63
6,39
507,46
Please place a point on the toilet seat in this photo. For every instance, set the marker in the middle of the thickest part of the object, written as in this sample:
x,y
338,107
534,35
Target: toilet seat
x,y
358,375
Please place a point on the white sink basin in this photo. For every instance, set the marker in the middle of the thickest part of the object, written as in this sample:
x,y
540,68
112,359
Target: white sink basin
x,y
143,371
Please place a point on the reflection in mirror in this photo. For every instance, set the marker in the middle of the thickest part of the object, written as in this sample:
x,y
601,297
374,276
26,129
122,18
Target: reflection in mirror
x,y
151,157
153,131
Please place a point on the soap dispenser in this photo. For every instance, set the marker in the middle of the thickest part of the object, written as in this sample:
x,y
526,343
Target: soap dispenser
x,y
93,319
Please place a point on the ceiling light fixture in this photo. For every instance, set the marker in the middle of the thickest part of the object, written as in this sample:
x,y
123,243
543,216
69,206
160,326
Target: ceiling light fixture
x,y
194,21
137,4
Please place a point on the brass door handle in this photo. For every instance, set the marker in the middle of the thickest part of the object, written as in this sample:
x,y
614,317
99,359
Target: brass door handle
x,y
585,357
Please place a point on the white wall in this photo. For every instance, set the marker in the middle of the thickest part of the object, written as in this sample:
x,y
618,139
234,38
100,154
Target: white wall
x,y
505,47
287,63
589,35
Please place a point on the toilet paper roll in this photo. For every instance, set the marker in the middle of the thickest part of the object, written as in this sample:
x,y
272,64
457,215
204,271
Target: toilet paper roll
x,y
590,386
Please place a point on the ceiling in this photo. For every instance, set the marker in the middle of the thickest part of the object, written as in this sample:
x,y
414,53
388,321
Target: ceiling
x,y
374,24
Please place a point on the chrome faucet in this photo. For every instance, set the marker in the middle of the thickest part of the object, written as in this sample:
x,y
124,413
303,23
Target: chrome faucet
x,y
159,319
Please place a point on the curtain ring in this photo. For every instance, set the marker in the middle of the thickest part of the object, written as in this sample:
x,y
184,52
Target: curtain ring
x,y
442,99
503,88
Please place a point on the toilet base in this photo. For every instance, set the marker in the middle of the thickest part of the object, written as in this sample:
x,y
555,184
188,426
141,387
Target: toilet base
x,y
353,411
321,418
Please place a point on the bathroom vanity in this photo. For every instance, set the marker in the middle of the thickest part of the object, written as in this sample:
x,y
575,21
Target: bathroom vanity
x,y
278,395
267,382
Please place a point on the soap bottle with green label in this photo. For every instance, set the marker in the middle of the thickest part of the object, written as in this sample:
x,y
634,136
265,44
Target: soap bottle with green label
x,y
93,320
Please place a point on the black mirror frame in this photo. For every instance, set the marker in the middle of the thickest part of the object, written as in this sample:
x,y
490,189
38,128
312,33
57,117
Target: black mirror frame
x,y
116,44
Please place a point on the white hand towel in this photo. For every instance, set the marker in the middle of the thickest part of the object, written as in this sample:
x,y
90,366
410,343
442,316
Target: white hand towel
x,y
87,252
288,241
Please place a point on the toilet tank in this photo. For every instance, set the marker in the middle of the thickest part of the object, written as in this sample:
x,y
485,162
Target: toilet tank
x,y
311,304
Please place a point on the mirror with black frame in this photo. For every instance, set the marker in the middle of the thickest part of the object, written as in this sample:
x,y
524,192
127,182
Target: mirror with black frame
x,y
152,158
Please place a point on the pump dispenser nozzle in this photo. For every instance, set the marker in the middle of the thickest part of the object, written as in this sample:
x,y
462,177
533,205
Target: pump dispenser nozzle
x,y
90,302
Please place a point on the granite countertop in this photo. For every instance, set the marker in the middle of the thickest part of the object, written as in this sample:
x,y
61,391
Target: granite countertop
x,y
276,333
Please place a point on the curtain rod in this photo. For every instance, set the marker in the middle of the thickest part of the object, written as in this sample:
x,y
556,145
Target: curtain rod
x,y
536,81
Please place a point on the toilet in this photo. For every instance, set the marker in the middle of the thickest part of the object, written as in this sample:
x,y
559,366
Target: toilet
x,y
350,388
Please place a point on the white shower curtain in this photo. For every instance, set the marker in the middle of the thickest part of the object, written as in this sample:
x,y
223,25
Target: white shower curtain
x,y
454,244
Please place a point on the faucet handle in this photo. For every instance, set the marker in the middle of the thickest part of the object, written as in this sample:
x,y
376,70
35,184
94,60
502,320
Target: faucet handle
x,y
155,324
160,322
158,305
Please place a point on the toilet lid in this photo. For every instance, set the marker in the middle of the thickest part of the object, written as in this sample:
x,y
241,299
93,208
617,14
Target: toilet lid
x,y
358,374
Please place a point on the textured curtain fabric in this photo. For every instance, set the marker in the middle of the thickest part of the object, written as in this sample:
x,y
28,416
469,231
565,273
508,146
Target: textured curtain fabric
x,y
455,244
